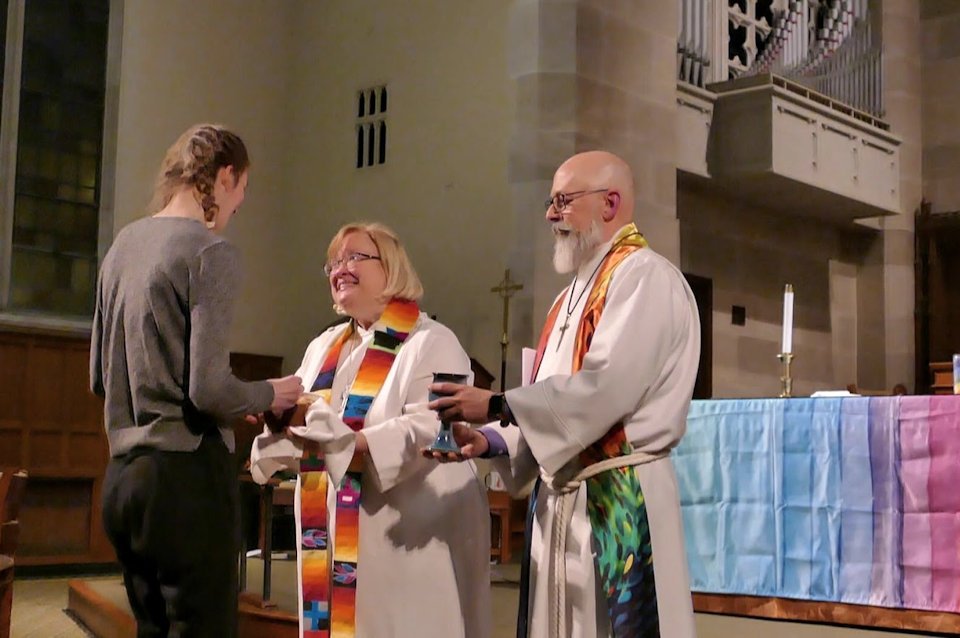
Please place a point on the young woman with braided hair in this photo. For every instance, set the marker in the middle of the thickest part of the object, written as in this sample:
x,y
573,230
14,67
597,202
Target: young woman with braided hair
x,y
159,358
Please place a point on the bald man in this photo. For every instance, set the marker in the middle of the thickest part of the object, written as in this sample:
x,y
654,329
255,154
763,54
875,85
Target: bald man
x,y
614,373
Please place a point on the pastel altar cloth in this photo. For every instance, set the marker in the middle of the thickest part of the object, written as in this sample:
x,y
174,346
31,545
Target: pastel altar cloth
x,y
853,500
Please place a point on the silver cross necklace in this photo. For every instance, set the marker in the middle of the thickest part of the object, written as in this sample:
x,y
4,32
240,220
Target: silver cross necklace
x,y
573,286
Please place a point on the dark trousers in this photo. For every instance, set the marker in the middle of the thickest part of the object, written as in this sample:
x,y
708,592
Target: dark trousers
x,y
173,518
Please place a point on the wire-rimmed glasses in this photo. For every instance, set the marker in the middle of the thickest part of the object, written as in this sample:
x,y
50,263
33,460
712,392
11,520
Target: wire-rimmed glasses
x,y
560,201
350,261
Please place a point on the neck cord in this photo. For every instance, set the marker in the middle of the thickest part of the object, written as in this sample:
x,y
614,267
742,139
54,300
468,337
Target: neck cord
x,y
573,286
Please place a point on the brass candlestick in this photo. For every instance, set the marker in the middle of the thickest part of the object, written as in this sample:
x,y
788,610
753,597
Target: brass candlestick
x,y
786,381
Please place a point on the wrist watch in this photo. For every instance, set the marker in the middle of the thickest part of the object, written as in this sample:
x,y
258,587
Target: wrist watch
x,y
498,410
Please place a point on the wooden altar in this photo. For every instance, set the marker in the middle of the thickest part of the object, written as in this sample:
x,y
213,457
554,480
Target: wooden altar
x,y
825,510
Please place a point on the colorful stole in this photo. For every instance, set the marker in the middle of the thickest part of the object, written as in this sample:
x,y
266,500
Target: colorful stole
x,y
615,502
329,595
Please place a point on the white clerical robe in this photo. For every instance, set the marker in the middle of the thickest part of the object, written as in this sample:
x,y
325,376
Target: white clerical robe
x,y
640,369
424,547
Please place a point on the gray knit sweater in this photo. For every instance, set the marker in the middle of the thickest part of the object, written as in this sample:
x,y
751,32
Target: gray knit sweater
x,y
158,352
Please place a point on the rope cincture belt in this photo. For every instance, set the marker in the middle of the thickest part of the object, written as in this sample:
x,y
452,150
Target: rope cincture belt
x,y
566,494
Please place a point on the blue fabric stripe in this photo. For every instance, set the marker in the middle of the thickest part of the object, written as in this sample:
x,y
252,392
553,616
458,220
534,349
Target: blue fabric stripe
x,y
698,475
797,485
826,499
357,406
856,491
763,500
749,450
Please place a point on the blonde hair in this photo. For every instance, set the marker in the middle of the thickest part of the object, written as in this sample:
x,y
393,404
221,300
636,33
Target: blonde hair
x,y
402,279
194,161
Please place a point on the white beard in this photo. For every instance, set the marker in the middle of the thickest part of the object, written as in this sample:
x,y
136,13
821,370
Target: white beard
x,y
571,251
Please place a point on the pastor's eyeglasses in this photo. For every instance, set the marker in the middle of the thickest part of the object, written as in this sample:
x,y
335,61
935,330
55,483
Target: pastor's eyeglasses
x,y
560,201
350,261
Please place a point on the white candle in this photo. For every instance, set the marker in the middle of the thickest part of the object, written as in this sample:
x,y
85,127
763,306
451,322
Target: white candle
x,y
787,345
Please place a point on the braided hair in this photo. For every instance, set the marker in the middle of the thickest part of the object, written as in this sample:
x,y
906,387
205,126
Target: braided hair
x,y
194,161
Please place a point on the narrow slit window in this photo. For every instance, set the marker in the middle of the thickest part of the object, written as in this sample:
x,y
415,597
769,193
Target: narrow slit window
x,y
370,144
382,143
370,126
360,146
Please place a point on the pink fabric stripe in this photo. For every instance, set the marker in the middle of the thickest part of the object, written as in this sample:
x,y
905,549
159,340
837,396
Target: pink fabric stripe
x,y
944,500
914,474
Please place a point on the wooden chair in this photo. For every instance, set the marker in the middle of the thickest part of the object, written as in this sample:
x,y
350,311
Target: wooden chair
x,y
6,594
941,377
12,484
500,512
509,518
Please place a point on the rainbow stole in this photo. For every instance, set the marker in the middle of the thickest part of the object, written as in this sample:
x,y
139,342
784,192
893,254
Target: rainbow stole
x,y
329,595
615,502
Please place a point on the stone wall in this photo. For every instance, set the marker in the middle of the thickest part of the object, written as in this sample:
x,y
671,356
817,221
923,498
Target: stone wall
x,y
940,20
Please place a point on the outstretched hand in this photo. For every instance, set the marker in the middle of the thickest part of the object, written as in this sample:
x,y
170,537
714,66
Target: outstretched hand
x,y
278,422
286,391
472,444
461,403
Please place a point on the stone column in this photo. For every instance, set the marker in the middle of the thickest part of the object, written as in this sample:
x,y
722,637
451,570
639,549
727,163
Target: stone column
x,y
626,88
590,74
901,38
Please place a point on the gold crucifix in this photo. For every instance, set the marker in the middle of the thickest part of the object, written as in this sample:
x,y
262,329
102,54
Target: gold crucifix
x,y
506,289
